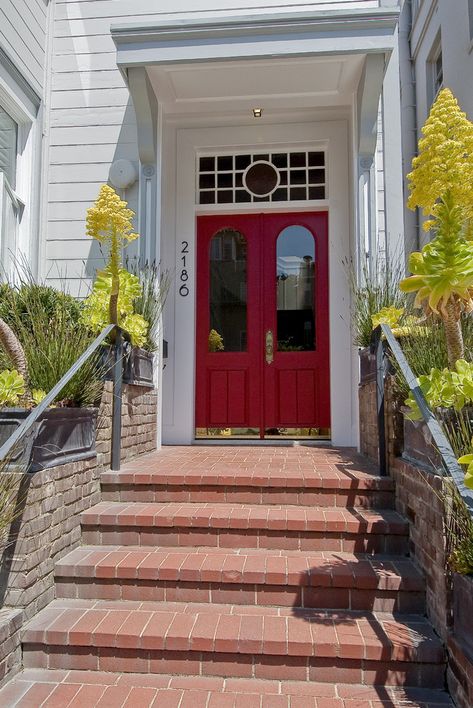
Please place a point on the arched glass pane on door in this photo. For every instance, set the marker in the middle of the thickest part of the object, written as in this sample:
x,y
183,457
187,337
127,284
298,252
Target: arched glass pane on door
x,y
228,279
295,278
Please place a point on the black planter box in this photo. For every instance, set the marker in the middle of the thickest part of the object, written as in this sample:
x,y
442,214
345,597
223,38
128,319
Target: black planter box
x,y
61,435
463,611
137,366
367,365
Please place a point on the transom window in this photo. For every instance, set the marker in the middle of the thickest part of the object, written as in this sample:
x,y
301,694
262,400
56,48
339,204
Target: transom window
x,y
261,177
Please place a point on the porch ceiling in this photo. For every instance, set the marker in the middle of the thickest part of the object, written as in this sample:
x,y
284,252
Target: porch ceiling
x,y
237,86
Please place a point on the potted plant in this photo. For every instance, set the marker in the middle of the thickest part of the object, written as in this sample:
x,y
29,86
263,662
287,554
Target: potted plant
x,y
133,301
40,341
371,295
442,273
149,304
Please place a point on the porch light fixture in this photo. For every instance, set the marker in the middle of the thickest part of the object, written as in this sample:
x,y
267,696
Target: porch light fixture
x,y
257,112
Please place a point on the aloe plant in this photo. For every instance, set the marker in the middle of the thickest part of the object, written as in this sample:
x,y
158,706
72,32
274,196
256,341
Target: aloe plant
x,y
109,221
440,184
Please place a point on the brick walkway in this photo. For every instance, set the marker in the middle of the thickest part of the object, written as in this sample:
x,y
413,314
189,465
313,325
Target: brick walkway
x,y
214,577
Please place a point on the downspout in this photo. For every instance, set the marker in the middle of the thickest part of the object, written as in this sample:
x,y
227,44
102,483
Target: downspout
x,y
408,122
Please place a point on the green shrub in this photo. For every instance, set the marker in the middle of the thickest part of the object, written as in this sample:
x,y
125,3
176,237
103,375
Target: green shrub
x,y
376,291
150,303
46,321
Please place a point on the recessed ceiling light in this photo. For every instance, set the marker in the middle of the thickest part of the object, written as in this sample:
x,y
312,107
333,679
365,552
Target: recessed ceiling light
x,y
257,112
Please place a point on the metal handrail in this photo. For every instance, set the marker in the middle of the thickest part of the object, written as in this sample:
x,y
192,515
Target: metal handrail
x,y
450,465
117,378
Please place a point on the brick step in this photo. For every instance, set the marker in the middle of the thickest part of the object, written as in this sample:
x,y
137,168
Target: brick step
x,y
258,577
312,486
245,526
76,689
245,642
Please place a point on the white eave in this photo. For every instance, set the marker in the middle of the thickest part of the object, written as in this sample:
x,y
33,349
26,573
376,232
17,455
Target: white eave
x,y
255,36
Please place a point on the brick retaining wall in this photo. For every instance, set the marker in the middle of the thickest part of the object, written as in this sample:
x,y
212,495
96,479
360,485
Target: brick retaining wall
x,y
417,498
50,523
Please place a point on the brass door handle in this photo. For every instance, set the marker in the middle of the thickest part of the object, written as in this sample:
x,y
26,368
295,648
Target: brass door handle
x,y
269,347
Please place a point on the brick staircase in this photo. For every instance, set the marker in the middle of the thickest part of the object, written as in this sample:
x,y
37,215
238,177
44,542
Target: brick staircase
x,y
226,577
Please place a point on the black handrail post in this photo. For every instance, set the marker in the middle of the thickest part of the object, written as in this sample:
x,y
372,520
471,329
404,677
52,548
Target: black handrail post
x,y
380,379
117,402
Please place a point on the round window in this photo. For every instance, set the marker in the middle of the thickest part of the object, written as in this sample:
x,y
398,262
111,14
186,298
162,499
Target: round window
x,y
261,178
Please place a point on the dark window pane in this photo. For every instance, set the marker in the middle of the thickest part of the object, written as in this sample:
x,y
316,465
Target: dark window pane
x,y
207,164
280,159
225,180
239,179
207,197
225,196
262,199
316,176
280,195
295,284
241,195
298,193
242,162
298,159
228,292
316,159
207,181
261,157
298,177
283,177
261,179
225,162
316,192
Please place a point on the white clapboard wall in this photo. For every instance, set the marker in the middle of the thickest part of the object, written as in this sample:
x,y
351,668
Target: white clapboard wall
x,y
90,111
23,37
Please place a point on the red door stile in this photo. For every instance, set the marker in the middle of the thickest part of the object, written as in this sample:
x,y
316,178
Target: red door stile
x,y
228,383
297,384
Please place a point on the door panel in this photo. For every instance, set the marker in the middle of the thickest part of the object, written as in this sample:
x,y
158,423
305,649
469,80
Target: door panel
x,y
228,378
262,322
296,384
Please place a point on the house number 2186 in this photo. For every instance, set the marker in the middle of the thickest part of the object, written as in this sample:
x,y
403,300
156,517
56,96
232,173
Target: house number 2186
x,y
184,275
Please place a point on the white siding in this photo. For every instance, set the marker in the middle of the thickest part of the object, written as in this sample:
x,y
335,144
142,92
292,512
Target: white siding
x,y
23,37
92,122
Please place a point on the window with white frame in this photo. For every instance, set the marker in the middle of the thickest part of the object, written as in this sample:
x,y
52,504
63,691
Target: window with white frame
x,y
435,71
11,207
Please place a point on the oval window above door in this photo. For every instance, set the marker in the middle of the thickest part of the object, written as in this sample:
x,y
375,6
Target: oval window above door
x,y
228,281
295,283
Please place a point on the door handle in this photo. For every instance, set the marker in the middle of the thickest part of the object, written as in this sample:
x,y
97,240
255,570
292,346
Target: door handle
x,y
269,347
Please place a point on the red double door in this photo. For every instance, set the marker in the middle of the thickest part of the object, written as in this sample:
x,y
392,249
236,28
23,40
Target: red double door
x,y
263,322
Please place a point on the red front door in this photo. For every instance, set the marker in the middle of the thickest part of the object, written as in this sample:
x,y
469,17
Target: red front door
x,y
262,322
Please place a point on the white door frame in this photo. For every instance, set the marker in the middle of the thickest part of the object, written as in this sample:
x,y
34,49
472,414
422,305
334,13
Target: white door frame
x,y
179,224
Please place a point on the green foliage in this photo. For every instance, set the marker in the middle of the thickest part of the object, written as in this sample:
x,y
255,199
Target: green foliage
x,y
46,322
12,387
443,270
467,460
445,388
95,310
17,303
387,315
154,290
378,290
37,395
215,341
459,530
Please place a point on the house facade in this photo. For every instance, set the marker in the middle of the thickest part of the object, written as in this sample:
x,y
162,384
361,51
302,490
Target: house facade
x,y
262,146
